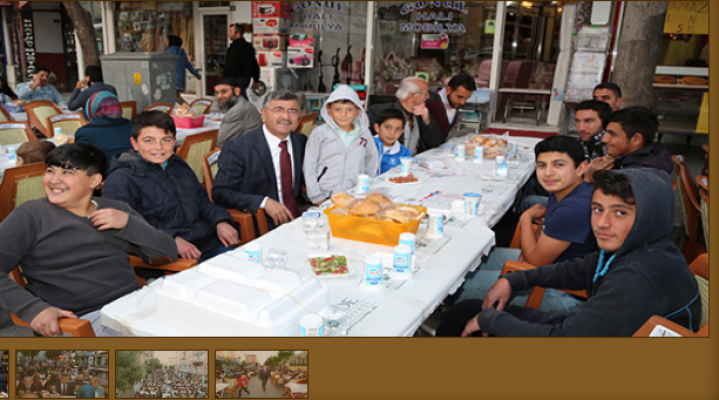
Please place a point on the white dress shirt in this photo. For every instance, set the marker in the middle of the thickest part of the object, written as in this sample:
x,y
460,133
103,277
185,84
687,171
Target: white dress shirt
x,y
273,142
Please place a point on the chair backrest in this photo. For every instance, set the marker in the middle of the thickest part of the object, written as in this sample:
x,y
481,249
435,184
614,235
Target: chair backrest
x,y
702,181
129,109
687,197
484,72
704,204
306,122
511,75
209,169
164,107
15,132
700,269
203,106
37,113
20,184
5,116
683,172
194,147
68,123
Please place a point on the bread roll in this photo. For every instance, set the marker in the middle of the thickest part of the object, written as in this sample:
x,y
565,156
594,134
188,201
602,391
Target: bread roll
x,y
61,138
363,207
395,215
341,199
380,199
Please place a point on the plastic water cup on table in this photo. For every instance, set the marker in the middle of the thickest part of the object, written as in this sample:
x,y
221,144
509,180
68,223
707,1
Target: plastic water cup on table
x,y
501,169
401,268
406,165
363,183
471,203
317,239
311,325
408,239
459,152
275,258
436,224
478,154
311,219
254,252
372,279
334,317
58,131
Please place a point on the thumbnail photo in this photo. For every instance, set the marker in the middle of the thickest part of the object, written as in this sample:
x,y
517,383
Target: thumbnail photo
x,y
62,374
161,374
4,365
258,374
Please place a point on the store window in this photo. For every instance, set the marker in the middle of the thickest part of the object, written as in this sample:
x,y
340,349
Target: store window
x,y
95,9
432,39
142,26
684,50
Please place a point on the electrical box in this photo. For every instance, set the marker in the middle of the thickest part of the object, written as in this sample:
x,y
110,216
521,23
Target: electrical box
x,y
146,78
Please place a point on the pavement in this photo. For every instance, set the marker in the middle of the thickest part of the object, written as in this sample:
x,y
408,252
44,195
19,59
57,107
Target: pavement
x,y
255,388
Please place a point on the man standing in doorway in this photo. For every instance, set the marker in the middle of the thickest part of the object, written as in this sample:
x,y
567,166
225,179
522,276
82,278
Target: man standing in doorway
x,y
241,60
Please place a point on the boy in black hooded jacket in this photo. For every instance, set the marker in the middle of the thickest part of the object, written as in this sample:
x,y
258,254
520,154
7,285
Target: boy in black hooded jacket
x,y
637,273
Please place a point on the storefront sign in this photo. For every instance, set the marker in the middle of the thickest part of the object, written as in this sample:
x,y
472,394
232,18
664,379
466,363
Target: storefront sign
x,y
28,32
436,42
336,6
431,21
320,15
688,17
489,26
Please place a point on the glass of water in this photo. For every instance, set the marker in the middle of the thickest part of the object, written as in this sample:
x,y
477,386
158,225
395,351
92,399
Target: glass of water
x,y
334,318
275,258
317,239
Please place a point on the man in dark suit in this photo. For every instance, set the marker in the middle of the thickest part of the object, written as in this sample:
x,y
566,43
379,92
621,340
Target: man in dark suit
x,y
421,131
263,168
63,383
444,105
264,376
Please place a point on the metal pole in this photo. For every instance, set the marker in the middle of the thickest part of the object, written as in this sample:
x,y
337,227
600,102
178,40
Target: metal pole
x,y
496,59
369,48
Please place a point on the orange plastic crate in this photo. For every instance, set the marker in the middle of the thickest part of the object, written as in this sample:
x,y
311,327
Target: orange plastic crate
x,y
371,230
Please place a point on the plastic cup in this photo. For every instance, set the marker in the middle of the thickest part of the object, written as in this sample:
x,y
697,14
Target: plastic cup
x,y
478,154
275,258
459,152
401,268
311,219
254,251
471,203
436,224
406,165
334,317
317,239
363,183
311,325
372,273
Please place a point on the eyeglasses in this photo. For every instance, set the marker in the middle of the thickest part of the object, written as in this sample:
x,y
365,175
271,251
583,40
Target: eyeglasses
x,y
280,110
426,94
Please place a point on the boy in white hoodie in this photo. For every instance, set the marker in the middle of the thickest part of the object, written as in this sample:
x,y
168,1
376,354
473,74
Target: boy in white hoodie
x,y
341,149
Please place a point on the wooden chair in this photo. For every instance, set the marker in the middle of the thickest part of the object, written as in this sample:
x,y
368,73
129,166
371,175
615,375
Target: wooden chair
x,y
691,211
164,107
69,123
37,113
203,106
230,389
194,147
5,116
247,226
703,182
129,109
517,237
306,123
700,269
704,204
20,184
535,296
288,393
15,132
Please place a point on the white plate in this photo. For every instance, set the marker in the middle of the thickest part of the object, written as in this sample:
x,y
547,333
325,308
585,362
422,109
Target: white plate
x,y
309,256
419,180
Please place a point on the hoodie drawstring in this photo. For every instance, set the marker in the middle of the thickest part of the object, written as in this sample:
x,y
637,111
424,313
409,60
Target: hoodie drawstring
x,y
603,271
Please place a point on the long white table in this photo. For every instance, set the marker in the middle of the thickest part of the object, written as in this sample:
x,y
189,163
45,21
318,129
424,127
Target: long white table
x,y
401,306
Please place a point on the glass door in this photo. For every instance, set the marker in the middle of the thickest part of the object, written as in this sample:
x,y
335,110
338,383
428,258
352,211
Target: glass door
x,y
215,44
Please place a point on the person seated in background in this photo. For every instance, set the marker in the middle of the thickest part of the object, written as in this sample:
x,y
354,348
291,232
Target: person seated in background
x,y
240,116
591,119
39,88
444,105
33,152
88,390
70,234
421,131
610,93
565,222
27,386
107,130
341,149
85,88
638,272
159,184
389,128
629,140
6,89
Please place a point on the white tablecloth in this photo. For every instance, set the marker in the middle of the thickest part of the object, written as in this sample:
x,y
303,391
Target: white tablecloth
x,y
401,306
220,387
297,387
207,126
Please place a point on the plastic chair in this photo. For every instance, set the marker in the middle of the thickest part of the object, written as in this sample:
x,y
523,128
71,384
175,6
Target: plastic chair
x,y
129,109
194,147
37,113
164,107
20,184
203,106
306,123
700,269
69,123
702,181
15,132
5,116
691,211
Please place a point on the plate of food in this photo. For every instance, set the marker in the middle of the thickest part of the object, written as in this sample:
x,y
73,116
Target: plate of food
x,y
400,180
328,265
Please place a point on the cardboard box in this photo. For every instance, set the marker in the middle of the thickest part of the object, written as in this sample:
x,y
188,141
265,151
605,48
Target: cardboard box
x,y
299,40
269,77
272,59
300,57
271,9
280,26
264,42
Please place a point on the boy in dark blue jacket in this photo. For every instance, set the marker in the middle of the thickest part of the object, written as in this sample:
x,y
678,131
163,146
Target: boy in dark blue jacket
x,y
637,273
159,185
389,128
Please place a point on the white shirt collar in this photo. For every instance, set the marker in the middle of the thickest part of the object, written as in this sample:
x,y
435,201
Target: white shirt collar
x,y
272,140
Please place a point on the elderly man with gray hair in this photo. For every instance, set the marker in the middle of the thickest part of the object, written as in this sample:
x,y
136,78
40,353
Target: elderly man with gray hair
x,y
421,131
262,169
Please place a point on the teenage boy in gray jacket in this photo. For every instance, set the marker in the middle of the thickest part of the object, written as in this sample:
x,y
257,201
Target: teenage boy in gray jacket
x,y
341,149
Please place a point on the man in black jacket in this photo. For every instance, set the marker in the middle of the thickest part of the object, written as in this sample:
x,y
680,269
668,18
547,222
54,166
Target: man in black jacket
x,y
241,60
421,131
638,272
